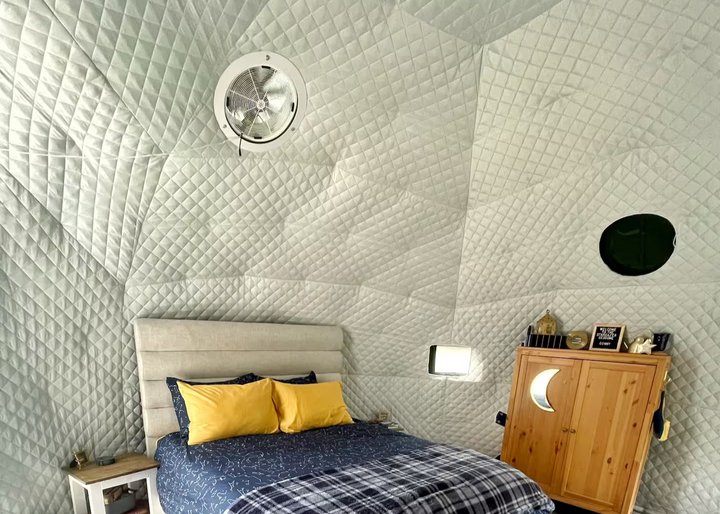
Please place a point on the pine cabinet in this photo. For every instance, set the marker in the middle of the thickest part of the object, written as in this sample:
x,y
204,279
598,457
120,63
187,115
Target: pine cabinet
x,y
579,423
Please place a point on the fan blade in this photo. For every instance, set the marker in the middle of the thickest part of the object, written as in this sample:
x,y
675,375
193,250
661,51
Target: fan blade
x,y
244,86
237,116
276,102
278,84
279,78
262,75
237,96
261,118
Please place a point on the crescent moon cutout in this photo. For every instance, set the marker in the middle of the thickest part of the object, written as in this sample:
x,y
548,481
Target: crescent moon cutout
x,y
538,389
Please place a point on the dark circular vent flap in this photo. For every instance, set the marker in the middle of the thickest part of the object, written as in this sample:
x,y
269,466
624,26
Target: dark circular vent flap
x,y
638,244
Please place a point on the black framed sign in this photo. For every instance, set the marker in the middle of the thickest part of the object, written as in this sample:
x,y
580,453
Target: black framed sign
x,y
607,338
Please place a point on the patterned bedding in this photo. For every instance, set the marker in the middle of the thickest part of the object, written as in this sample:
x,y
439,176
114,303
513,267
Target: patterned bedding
x,y
209,478
212,477
436,479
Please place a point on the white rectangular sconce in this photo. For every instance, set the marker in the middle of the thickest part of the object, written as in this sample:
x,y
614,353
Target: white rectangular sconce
x,y
449,360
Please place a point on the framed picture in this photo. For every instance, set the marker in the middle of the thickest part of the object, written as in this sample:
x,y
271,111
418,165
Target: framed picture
x,y
607,338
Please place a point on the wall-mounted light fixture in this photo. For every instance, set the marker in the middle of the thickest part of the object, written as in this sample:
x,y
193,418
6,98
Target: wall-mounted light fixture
x,y
449,360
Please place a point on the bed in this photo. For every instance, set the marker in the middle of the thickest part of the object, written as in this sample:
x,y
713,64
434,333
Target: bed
x,y
322,470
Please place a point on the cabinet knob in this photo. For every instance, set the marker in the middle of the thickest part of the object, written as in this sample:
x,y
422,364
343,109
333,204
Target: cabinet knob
x,y
565,429
572,431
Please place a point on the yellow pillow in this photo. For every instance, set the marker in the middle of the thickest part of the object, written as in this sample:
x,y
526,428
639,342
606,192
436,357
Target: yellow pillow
x,y
222,411
306,406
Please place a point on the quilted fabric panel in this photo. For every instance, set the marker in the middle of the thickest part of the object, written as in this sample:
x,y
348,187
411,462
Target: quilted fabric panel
x,y
69,139
682,474
479,22
456,166
494,330
60,359
158,56
586,81
562,219
469,415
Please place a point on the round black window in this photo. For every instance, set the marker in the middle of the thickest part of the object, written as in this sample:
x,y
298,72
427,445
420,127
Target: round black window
x,y
638,244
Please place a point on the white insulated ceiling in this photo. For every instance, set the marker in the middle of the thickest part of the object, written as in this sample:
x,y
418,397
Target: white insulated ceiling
x,y
456,166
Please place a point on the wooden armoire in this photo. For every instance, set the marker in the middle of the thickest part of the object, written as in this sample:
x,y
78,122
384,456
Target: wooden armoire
x,y
580,423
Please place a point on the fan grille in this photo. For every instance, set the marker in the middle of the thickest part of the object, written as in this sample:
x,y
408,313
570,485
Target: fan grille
x,y
260,103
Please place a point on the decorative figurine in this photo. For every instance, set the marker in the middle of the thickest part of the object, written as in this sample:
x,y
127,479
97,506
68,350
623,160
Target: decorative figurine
x,y
641,345
547,325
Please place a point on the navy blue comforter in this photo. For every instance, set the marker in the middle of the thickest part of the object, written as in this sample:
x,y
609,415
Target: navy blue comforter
x,y
210,477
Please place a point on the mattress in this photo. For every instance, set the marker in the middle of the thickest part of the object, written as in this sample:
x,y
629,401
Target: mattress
x,y
260,470
210,477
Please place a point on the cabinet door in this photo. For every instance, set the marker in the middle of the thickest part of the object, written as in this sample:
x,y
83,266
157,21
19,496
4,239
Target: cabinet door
x,y
535,436
609,409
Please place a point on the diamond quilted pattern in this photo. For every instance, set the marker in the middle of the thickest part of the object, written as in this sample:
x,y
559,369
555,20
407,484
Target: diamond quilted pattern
x,y
479,22
72,143
158,56
455,169
423,419
683,472
469,416
494,330
585,81
59,361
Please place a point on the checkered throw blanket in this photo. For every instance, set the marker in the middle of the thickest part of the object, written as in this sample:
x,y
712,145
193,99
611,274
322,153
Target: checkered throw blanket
x,y
436,479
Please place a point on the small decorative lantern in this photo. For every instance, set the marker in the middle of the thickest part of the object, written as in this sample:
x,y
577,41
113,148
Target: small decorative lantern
x,y
547,325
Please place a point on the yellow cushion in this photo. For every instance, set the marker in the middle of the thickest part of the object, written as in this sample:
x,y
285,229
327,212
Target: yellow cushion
x,y
307,406
222,411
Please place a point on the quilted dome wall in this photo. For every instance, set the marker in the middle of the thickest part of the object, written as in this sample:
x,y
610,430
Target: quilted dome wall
x,y
456,167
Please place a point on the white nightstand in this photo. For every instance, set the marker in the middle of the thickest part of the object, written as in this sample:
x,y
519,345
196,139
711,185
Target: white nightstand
x,y
131,467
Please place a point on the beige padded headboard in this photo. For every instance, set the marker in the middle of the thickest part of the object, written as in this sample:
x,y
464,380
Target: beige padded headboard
x,y
206,350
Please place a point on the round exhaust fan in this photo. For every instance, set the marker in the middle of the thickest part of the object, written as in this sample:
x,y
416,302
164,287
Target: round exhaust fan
x,y
260,100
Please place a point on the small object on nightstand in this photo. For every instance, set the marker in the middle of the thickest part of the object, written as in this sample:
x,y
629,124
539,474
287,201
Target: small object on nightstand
x,y
380,417
81,458
105,460
94,479
391,425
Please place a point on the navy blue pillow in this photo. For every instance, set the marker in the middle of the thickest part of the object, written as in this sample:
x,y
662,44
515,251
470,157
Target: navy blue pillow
x,y
179,403
310,379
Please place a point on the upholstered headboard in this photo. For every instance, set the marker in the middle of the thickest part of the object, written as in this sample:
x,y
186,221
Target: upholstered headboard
x,y
206,350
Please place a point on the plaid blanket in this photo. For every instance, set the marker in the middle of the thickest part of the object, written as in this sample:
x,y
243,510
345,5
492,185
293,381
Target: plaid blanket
x,y
436,479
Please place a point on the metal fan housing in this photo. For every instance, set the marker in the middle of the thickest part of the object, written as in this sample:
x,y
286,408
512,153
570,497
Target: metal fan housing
x,y
261,97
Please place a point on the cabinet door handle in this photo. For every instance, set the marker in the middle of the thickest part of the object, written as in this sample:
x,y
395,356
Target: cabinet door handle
x,y
573,431
565,429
